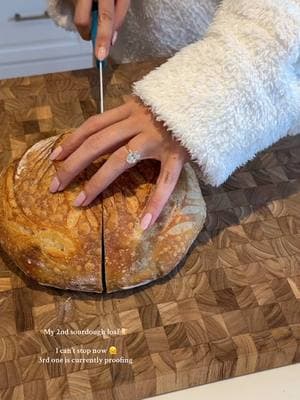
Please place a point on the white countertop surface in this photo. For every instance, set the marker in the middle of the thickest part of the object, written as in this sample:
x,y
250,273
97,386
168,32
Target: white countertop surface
x,y
277,384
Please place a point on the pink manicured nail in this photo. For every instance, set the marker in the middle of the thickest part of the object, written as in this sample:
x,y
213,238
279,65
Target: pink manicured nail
x,y
114,38
101,53
55,153
146,221
54,185
79,199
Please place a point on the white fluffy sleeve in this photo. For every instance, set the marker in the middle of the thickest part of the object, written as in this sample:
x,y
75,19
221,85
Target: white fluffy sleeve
x,y
236,91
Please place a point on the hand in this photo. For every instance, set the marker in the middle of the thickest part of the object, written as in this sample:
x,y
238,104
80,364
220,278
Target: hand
x,y
132,124
111,16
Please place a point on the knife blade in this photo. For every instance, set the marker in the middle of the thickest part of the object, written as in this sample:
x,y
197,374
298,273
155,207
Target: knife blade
x,y
99,64
101,95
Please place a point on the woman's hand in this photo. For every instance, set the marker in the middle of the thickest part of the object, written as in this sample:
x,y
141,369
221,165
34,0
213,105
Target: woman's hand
x,y
111,16
132,124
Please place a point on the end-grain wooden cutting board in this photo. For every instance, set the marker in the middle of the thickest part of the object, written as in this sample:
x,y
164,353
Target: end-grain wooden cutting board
x,y
232,306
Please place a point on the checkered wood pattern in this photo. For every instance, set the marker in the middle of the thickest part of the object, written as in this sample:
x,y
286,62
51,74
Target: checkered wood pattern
x,y
231,307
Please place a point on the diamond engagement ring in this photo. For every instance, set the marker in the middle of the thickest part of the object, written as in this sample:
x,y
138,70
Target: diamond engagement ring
x,y
133,156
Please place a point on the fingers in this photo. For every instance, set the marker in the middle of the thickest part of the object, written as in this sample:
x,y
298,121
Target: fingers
x,y
111,16
91,126
110,170
168,177
105,28
82,17
90,150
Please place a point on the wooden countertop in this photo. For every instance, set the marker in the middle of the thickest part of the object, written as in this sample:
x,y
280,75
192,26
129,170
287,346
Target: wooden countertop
x,y
231,308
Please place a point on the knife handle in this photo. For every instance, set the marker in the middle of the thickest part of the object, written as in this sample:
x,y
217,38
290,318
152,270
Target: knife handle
x,y
94,28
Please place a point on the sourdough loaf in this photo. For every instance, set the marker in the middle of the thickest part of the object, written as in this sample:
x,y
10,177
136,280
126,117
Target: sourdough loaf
x,y
100,247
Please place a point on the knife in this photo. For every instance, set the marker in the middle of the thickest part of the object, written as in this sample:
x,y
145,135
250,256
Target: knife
x,y
101,95
99,64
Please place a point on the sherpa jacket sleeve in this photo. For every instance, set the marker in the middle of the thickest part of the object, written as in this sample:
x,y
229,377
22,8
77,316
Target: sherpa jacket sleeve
x,y
234,92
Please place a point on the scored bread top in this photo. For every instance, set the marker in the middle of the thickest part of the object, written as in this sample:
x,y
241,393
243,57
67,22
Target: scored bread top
x,y
100,245
52,241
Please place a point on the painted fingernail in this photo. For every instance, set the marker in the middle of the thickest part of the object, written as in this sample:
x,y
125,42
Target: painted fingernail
x,y
114,38
101,53
55,153
79,199
145,222
54,185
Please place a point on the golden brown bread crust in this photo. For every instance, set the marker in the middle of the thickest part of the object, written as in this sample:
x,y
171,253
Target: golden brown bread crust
x,y
61,245
51,241
132,256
